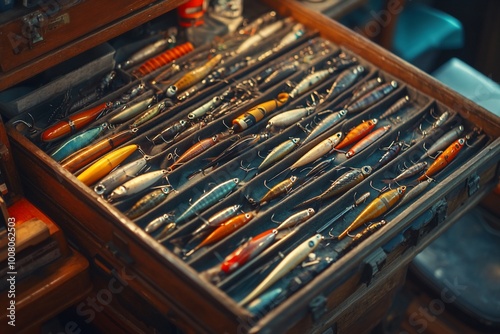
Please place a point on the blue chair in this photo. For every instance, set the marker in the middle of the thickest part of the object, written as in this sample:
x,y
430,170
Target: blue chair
x,y
470,83
422,32
417,33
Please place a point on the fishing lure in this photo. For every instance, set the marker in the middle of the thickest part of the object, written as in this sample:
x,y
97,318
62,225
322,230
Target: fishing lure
x,y
194,76
365,88
255,114
247,251
371,97
278,190
223,231
342,184
362,236
262,34
169,133
164,234
298,30
120,175
345,80
367,141
392,152
441,120
206,107
296,219
262,20
443,159
356,203
215,220
106,164
130,111
213,196
357,133
156,223
193,90
151,113
189,131
148,202
148,51
279,152
287,118
410,171
379,206
310,81
77,121
164,58
264,74
77,142
238,147
327,123
324,147
88,154
131,94
397,106
319,168
295,257
195,150
136,185
444,141
74,122
415,191
280,74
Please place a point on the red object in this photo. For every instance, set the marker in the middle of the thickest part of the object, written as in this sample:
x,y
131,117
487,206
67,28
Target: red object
x,y
165,58
191,13
73,123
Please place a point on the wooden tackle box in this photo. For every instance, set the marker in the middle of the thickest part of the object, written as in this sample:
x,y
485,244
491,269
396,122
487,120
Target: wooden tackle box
x,y
352,294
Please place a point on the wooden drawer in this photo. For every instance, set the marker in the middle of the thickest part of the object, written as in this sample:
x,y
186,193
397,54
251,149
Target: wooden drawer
x,y
35,39
353,289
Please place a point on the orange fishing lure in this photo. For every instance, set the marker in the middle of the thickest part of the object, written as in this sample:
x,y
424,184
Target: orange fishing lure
x,y
443,159
357,133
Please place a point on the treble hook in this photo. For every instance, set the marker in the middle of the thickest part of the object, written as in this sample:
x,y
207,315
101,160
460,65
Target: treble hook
x,y
371,185
246,169
230,130
303,128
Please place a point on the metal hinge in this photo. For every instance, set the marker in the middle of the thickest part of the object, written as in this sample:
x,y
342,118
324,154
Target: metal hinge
x,y
33,27
373,264
473,184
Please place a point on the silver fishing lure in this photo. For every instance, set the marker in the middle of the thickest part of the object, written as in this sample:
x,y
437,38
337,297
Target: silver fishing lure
x,y
289,117
119,176
444,141
294,258
136,185
310,81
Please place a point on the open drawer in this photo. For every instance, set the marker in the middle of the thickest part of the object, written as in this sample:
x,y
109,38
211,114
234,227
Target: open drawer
x,y
353,289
